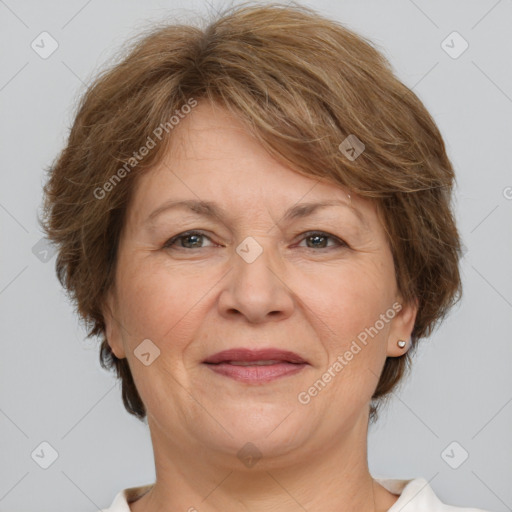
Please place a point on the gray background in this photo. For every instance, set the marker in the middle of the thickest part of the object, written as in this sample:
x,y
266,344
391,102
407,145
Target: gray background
x,y
51,385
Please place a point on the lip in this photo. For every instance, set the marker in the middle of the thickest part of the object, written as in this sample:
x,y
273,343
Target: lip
x,y
257,374
285,364
250,355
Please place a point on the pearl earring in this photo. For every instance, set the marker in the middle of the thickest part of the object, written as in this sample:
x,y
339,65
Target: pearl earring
x,y
401,343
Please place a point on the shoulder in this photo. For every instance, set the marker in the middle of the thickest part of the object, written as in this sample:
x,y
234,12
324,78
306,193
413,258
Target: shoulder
x,y
416,495
123,498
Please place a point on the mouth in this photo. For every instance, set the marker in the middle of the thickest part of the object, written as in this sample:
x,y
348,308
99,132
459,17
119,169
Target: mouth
x,y
255,366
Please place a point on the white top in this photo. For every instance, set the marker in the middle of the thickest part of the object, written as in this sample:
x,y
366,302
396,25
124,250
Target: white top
x,y
416,495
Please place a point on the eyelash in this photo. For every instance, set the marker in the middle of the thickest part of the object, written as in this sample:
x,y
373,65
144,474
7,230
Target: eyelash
x,y
308,234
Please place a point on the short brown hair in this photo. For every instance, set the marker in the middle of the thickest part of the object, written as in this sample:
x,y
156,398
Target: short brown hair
x,y
301,83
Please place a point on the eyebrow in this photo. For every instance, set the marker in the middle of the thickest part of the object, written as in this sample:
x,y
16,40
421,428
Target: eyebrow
x,y
213,210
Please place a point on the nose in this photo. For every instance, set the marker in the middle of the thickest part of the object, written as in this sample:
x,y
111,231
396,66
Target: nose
x,y
256,286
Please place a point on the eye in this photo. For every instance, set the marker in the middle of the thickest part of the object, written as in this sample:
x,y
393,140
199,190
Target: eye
x,y
193,240
319,240
187,240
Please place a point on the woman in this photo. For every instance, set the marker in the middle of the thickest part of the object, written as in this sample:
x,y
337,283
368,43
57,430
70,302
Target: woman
x,y
256,219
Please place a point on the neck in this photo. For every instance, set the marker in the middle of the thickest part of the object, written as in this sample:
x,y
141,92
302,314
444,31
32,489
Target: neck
x,y
333,476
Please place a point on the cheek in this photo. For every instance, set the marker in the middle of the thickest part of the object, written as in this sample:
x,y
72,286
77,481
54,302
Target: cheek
x,y
350,298
159,305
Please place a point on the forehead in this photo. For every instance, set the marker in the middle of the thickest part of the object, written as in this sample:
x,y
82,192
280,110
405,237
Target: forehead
x,y
212,157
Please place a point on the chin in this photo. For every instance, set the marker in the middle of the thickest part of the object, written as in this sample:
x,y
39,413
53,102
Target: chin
x,y
269,434
256,452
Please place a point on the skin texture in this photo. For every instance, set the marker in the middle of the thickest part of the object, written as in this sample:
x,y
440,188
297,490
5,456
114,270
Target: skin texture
x,y
194,302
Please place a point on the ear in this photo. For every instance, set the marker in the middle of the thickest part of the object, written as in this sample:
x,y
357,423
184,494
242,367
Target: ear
x,y
402,326
112,326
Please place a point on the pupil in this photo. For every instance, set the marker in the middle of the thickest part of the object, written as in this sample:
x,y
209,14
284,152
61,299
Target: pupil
x,y
316,238
197,237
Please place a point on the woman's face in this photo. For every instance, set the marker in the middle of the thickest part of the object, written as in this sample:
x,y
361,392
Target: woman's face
x,y
253,278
